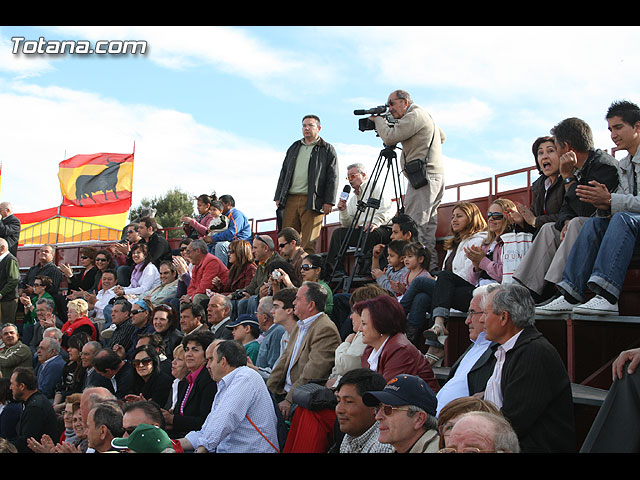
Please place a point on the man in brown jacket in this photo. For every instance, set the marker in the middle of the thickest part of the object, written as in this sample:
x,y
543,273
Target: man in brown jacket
x,y
310,353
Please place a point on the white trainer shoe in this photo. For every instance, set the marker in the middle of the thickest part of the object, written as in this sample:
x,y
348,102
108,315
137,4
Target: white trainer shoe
x,y
555,307
597,306
108,332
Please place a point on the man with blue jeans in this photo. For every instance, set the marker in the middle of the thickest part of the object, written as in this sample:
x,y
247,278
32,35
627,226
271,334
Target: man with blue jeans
x,y
601,254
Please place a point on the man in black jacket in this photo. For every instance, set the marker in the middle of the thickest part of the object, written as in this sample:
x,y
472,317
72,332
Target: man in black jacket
x,y
157,245
9,227
38,417
529,383
308,184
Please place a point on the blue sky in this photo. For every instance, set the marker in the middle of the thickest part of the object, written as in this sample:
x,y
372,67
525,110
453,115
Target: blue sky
x,y
215,108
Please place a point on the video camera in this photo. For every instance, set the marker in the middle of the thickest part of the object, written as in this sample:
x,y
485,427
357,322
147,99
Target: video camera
x,y
365,124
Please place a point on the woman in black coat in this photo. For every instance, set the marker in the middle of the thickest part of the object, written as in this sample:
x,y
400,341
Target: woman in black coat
x,y
196,391
149,381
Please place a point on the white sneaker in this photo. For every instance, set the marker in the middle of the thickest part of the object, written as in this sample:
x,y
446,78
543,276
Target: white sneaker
x,y
108,332
597,306
555,307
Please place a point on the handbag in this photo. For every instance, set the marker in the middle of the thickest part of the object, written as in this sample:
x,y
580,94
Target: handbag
x,y
515,246
313,396
416,170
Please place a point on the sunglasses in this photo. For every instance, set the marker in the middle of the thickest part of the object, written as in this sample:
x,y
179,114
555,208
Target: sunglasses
x,y
142,361
307,267
495,215
388,409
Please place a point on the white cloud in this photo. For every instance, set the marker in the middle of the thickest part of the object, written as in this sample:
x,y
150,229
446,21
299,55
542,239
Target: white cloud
x,y
46,125
232,50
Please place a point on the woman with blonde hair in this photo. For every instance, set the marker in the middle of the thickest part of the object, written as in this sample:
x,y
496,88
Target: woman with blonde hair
x,y
455,291
78,321
468,227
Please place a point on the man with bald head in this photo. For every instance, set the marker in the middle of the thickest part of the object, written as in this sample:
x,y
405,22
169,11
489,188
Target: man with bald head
x,y
482,432
9,227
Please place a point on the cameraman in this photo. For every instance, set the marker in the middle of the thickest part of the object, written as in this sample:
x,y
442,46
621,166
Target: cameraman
x,y
421,141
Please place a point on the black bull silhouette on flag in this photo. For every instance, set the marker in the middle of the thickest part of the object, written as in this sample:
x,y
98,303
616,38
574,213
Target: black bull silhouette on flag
x,y
106,180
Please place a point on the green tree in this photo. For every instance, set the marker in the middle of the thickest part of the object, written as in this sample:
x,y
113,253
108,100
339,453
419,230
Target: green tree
x,y
169,209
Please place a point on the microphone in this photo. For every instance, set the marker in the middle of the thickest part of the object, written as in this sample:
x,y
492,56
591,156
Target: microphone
x,y
371,111
345,192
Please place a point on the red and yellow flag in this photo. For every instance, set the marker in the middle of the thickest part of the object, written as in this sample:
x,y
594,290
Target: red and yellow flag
x,y
96,197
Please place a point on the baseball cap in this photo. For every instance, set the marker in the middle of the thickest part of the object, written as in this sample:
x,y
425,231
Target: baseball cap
x,y
244,319
404,390
144,439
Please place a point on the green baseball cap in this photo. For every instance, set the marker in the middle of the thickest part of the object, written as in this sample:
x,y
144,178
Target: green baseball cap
x,y
144,439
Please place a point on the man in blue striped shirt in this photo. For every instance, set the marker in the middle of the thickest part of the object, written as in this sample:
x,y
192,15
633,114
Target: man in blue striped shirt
x,y
242,417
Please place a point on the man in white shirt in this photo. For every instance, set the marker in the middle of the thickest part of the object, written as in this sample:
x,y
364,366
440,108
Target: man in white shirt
x,y
378,221
469,374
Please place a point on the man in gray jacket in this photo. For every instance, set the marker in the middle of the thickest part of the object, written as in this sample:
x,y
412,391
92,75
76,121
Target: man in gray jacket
x,y
422,140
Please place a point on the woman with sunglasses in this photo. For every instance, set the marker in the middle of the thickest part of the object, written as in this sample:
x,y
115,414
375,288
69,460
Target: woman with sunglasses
x,y
454,291
312,270
86,279
40,286
103,261
73,373
149,381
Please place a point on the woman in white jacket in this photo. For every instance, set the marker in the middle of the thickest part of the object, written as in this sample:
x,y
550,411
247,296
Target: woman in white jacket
x,y
468,227
144,276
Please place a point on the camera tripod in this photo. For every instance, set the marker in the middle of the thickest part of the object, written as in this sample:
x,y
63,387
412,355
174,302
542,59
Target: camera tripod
x,y
387,160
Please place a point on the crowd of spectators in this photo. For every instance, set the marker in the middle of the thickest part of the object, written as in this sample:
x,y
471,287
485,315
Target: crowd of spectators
x,y
243,342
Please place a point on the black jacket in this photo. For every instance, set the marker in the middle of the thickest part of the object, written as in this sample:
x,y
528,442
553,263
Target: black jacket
x,y
322,179
197,406
480,372
599,166
537,397
37,419
10,231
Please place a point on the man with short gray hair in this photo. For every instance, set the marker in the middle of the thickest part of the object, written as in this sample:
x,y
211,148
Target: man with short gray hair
x,y
375,221
50,366
529,383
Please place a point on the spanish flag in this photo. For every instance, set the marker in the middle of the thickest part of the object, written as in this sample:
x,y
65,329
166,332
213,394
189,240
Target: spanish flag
x,y
96,197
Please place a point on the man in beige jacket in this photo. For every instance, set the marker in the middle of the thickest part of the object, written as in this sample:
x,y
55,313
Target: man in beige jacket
x,y
311,350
